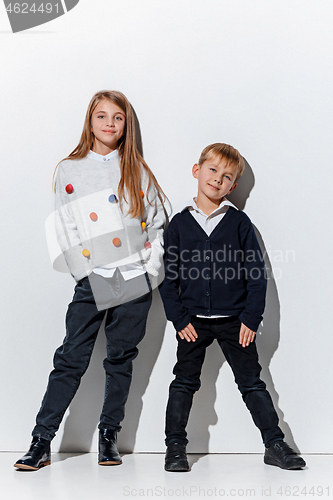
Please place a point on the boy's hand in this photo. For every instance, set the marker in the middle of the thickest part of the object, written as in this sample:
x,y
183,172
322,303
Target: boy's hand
x,y
188,333
246,336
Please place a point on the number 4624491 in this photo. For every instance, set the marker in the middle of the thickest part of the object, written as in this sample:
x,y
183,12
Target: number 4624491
x,y
23,8
296,491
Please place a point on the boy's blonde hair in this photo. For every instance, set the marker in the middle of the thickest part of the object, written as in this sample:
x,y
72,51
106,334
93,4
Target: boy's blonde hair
x,y
225,152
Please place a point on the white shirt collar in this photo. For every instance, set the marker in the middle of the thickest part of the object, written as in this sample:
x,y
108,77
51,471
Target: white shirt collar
x,y
114,155
223,207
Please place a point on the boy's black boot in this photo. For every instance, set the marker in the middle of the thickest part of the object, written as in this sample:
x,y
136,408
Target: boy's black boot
x,y
176,458
281,455
108,453
39,455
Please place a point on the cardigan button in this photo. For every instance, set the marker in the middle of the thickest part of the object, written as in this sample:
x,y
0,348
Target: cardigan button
x,y
116,242
93,216
207,257
208,294
69,188
112,198
85,253
147,245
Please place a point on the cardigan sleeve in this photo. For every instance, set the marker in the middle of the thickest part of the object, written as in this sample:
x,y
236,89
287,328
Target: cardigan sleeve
x,y
256,279
155,221
174,309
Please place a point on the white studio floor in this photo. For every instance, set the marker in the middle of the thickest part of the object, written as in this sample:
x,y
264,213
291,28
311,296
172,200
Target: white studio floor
x,y
77,476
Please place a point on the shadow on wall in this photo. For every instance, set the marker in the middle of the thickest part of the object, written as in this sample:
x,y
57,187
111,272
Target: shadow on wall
x,y
149,349
267,339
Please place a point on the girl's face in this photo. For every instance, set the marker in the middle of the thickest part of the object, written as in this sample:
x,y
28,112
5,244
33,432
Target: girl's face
x,y
107,125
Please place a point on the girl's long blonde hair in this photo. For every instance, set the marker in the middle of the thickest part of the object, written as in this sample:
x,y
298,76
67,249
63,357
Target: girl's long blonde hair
x,y
131,161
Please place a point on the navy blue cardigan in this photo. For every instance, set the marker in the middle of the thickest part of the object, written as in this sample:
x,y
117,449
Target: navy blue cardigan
x,y
220,274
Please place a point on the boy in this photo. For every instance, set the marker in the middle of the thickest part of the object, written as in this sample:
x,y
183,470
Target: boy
x,y
214,288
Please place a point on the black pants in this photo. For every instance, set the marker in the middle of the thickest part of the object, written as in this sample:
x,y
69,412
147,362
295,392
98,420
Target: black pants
x,y
124,328
245,366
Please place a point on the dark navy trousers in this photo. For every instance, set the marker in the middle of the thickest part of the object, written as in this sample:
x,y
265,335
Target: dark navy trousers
x,y
124,328
246,369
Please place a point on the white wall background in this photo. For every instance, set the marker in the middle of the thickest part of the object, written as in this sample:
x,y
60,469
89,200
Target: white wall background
x,y
256,74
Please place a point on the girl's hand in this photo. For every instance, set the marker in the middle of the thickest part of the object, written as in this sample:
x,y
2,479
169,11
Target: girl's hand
x,y
145,254
246,336
188,333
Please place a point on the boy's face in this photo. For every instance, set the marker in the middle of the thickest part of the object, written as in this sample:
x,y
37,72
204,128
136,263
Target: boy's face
x,y
215,179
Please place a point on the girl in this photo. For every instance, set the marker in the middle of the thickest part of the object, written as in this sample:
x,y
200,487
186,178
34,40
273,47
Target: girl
x,y
109,224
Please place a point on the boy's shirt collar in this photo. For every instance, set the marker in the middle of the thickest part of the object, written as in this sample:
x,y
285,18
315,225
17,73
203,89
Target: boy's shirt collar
x,y
114,155
222,208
